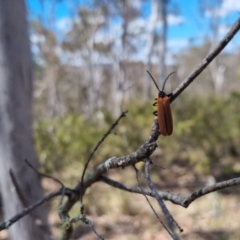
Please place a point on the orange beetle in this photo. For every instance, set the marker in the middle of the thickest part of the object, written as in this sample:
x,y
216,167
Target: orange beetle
x,y
163,113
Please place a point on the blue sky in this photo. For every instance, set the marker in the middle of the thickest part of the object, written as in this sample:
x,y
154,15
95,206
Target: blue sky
x,y
189,23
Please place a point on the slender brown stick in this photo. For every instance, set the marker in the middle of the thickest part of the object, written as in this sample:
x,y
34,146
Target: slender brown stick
x,y
209,189
208,59
167,196
167,214
7,223
19,192
175,198
43,174
61,212
149,203
123,114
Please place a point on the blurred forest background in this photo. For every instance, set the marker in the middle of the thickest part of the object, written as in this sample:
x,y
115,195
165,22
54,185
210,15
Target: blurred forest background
x,y
91,65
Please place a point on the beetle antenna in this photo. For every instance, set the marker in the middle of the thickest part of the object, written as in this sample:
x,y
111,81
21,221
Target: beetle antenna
x,y
167,79
153,80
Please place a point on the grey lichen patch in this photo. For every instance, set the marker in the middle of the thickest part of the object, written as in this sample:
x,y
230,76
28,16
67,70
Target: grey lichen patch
x,y
123,162
108,163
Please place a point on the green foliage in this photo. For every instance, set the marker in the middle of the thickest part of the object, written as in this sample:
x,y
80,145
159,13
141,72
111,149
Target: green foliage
x,y
65,143
206,135
207,129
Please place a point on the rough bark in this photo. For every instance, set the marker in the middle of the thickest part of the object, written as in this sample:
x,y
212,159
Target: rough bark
x,y
16,139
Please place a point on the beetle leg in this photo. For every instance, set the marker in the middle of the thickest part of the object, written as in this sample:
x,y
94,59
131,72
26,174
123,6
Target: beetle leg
x,y
155,113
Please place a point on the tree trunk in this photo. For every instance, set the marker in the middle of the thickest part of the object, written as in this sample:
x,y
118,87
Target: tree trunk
x,y
150,45
163,46
16,140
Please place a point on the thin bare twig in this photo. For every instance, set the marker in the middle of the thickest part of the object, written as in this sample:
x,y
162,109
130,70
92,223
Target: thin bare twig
x,y
207,60
81,217
61,211
25,201
149,203
165,211
175,198
43,174
209,189
19,192
114,162
7,223
123,114
94,230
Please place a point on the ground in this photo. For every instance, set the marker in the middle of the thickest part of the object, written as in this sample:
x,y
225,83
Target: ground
x,y
121,215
